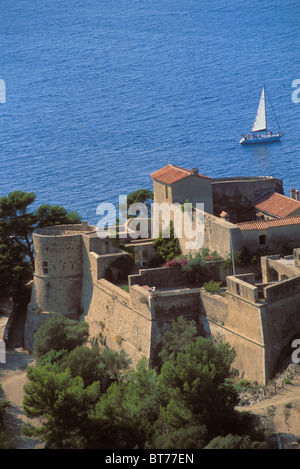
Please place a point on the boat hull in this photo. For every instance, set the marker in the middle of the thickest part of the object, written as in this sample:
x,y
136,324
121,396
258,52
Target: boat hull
x,y
254,139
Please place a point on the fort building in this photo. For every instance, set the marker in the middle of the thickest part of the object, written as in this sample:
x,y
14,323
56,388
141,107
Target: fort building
x,y
256,313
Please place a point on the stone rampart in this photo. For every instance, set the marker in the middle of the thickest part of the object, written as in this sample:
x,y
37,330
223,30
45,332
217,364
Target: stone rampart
x,y
281,290
250,186
239,287
123,320
237,322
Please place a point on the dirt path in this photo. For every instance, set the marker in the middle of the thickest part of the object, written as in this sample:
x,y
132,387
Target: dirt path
x,y
281,414
12,379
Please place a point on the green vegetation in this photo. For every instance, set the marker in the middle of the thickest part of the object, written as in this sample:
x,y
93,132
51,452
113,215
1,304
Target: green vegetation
x,y
234,442
89,398
144,198
4,404
123,265
141,196
195,265
17,223
60,333
212,287
168,248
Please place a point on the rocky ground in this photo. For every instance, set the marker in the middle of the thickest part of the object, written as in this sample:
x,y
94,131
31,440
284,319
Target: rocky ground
x,y
278,406
12,379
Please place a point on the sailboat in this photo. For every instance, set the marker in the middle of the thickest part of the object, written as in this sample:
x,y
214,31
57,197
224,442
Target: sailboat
x,y
260,125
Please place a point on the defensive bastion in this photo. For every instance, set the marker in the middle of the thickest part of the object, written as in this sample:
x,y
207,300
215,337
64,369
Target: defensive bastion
x,y
258,319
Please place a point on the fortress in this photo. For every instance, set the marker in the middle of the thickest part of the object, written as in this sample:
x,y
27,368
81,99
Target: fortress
x,y
258,313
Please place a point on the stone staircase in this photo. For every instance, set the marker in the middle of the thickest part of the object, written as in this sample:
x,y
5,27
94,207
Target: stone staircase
x,y
16,330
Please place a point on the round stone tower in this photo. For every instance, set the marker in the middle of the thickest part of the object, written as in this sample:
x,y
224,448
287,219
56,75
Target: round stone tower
x,y
58,269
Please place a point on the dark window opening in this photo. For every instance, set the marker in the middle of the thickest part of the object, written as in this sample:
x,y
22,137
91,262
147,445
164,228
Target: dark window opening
x,y
263,239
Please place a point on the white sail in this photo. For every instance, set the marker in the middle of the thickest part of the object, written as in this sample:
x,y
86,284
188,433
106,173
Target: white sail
x,y
260,122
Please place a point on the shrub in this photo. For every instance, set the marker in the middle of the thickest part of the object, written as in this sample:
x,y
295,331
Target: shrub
x,y
234,442
212,286
168,248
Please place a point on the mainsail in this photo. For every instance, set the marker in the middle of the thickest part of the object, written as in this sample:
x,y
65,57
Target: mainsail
x,y
260,122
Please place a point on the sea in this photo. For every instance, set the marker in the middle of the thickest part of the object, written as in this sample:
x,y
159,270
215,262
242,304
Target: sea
x,y
95,95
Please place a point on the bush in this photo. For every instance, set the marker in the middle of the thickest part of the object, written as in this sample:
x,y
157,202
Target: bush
x,y
212,286
124,264
234,442
60,333
167,248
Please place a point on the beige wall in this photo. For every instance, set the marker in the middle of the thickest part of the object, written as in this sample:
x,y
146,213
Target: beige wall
x,y
193,188
123,320
196,190
237,322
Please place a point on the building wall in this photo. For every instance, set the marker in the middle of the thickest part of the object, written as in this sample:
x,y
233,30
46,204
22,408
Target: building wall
x,y
193,188
58,273
196,190
235,195
259,329
277,238
123,320
249,187
237,322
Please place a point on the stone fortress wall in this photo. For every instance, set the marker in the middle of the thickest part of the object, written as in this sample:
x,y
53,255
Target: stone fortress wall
x,y
258,320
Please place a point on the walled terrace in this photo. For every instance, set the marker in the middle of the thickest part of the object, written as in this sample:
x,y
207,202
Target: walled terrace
x,y
259,320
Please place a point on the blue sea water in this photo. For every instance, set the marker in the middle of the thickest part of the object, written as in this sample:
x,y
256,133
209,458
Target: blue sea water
x,y
101,93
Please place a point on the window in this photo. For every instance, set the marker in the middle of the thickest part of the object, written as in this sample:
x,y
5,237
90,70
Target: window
x,y
45,270
45,264
166,191
262,239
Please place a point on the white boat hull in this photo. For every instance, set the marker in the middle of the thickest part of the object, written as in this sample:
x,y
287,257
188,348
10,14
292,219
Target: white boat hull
x,y
262,138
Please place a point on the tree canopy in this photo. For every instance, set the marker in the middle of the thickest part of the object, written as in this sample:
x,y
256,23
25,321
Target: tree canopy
x,y
17,223
90,398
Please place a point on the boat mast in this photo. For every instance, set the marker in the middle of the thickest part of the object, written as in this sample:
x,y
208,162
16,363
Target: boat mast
x,y
265,108
274,113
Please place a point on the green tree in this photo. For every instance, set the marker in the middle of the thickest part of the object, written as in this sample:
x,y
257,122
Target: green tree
x,y
64,403
4,405
167,247
144,196
235,442
175,340
60,333
49,215
91,365
17,224
124,416
15,270
195,393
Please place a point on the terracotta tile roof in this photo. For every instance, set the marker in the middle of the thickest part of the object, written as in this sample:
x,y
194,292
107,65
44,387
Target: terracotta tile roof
x,y
265,224
171,174
276,204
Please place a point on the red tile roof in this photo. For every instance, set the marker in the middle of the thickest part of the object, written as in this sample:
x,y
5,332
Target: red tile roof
x,y
171,174
265,224
276,204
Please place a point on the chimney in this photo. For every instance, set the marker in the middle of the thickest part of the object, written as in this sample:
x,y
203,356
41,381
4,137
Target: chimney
x,y
224,215
195,171
292,193
296,194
